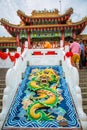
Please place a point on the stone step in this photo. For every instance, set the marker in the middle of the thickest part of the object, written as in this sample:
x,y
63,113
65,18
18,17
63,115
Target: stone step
x,y
0,108
0,102
82,85
85,108
3,69
83,71
2,78
1,90
84,101
2,81
83,77
84,94
84,89
83,81
2,85
1,95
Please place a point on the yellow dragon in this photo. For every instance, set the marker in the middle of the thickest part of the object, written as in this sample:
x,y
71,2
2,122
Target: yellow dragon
x,y
45,94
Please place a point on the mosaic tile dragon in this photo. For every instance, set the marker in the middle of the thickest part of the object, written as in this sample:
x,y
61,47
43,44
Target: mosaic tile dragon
x,y
43,100
44,84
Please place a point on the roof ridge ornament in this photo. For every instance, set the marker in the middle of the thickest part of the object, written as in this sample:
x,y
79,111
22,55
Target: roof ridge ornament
x,y
45,12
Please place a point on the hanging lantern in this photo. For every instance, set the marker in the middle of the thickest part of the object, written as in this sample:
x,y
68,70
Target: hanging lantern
x,y
3,55
12,58
17,55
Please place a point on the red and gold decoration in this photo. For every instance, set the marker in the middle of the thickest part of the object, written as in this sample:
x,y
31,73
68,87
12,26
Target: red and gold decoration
x,y
4,56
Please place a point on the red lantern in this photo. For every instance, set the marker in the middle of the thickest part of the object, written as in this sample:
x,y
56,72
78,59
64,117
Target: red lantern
x,y
3,55
17,55
12,58
69,54
9,54
0,54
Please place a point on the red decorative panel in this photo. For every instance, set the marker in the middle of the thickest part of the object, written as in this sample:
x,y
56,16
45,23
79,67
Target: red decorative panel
x,y
37,53
51,53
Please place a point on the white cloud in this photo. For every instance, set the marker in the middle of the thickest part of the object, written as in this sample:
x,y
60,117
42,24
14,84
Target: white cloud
x,y
8,9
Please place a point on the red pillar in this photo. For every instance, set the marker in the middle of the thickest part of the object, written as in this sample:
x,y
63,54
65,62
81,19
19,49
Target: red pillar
x,y
28,40
18,40
63,36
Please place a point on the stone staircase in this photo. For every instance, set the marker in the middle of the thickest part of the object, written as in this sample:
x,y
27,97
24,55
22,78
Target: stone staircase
x,y
83,85
2,84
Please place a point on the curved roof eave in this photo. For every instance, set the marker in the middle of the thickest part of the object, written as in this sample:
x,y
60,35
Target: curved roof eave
x,y
22,14
13,28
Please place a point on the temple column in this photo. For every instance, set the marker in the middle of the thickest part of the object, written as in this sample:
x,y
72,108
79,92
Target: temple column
x,y
28,40
63,37
18,40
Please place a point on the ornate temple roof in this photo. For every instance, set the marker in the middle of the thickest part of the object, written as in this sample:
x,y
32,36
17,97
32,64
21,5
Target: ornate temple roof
x,y
45,14
82,36
12,29
7,39
44,21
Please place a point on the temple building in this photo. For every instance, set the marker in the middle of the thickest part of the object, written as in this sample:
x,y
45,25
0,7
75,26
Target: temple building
x,y
41,26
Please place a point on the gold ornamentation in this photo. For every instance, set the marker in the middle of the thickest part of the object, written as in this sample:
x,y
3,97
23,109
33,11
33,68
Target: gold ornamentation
x,y
45,13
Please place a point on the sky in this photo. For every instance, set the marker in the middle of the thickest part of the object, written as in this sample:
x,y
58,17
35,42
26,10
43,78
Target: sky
x,y
8,9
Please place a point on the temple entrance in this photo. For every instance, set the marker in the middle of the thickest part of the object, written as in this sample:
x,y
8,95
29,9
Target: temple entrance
x,y
40,43
68,38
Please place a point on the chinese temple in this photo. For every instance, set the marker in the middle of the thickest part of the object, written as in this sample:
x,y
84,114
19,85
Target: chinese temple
x,y
42,87
39,27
